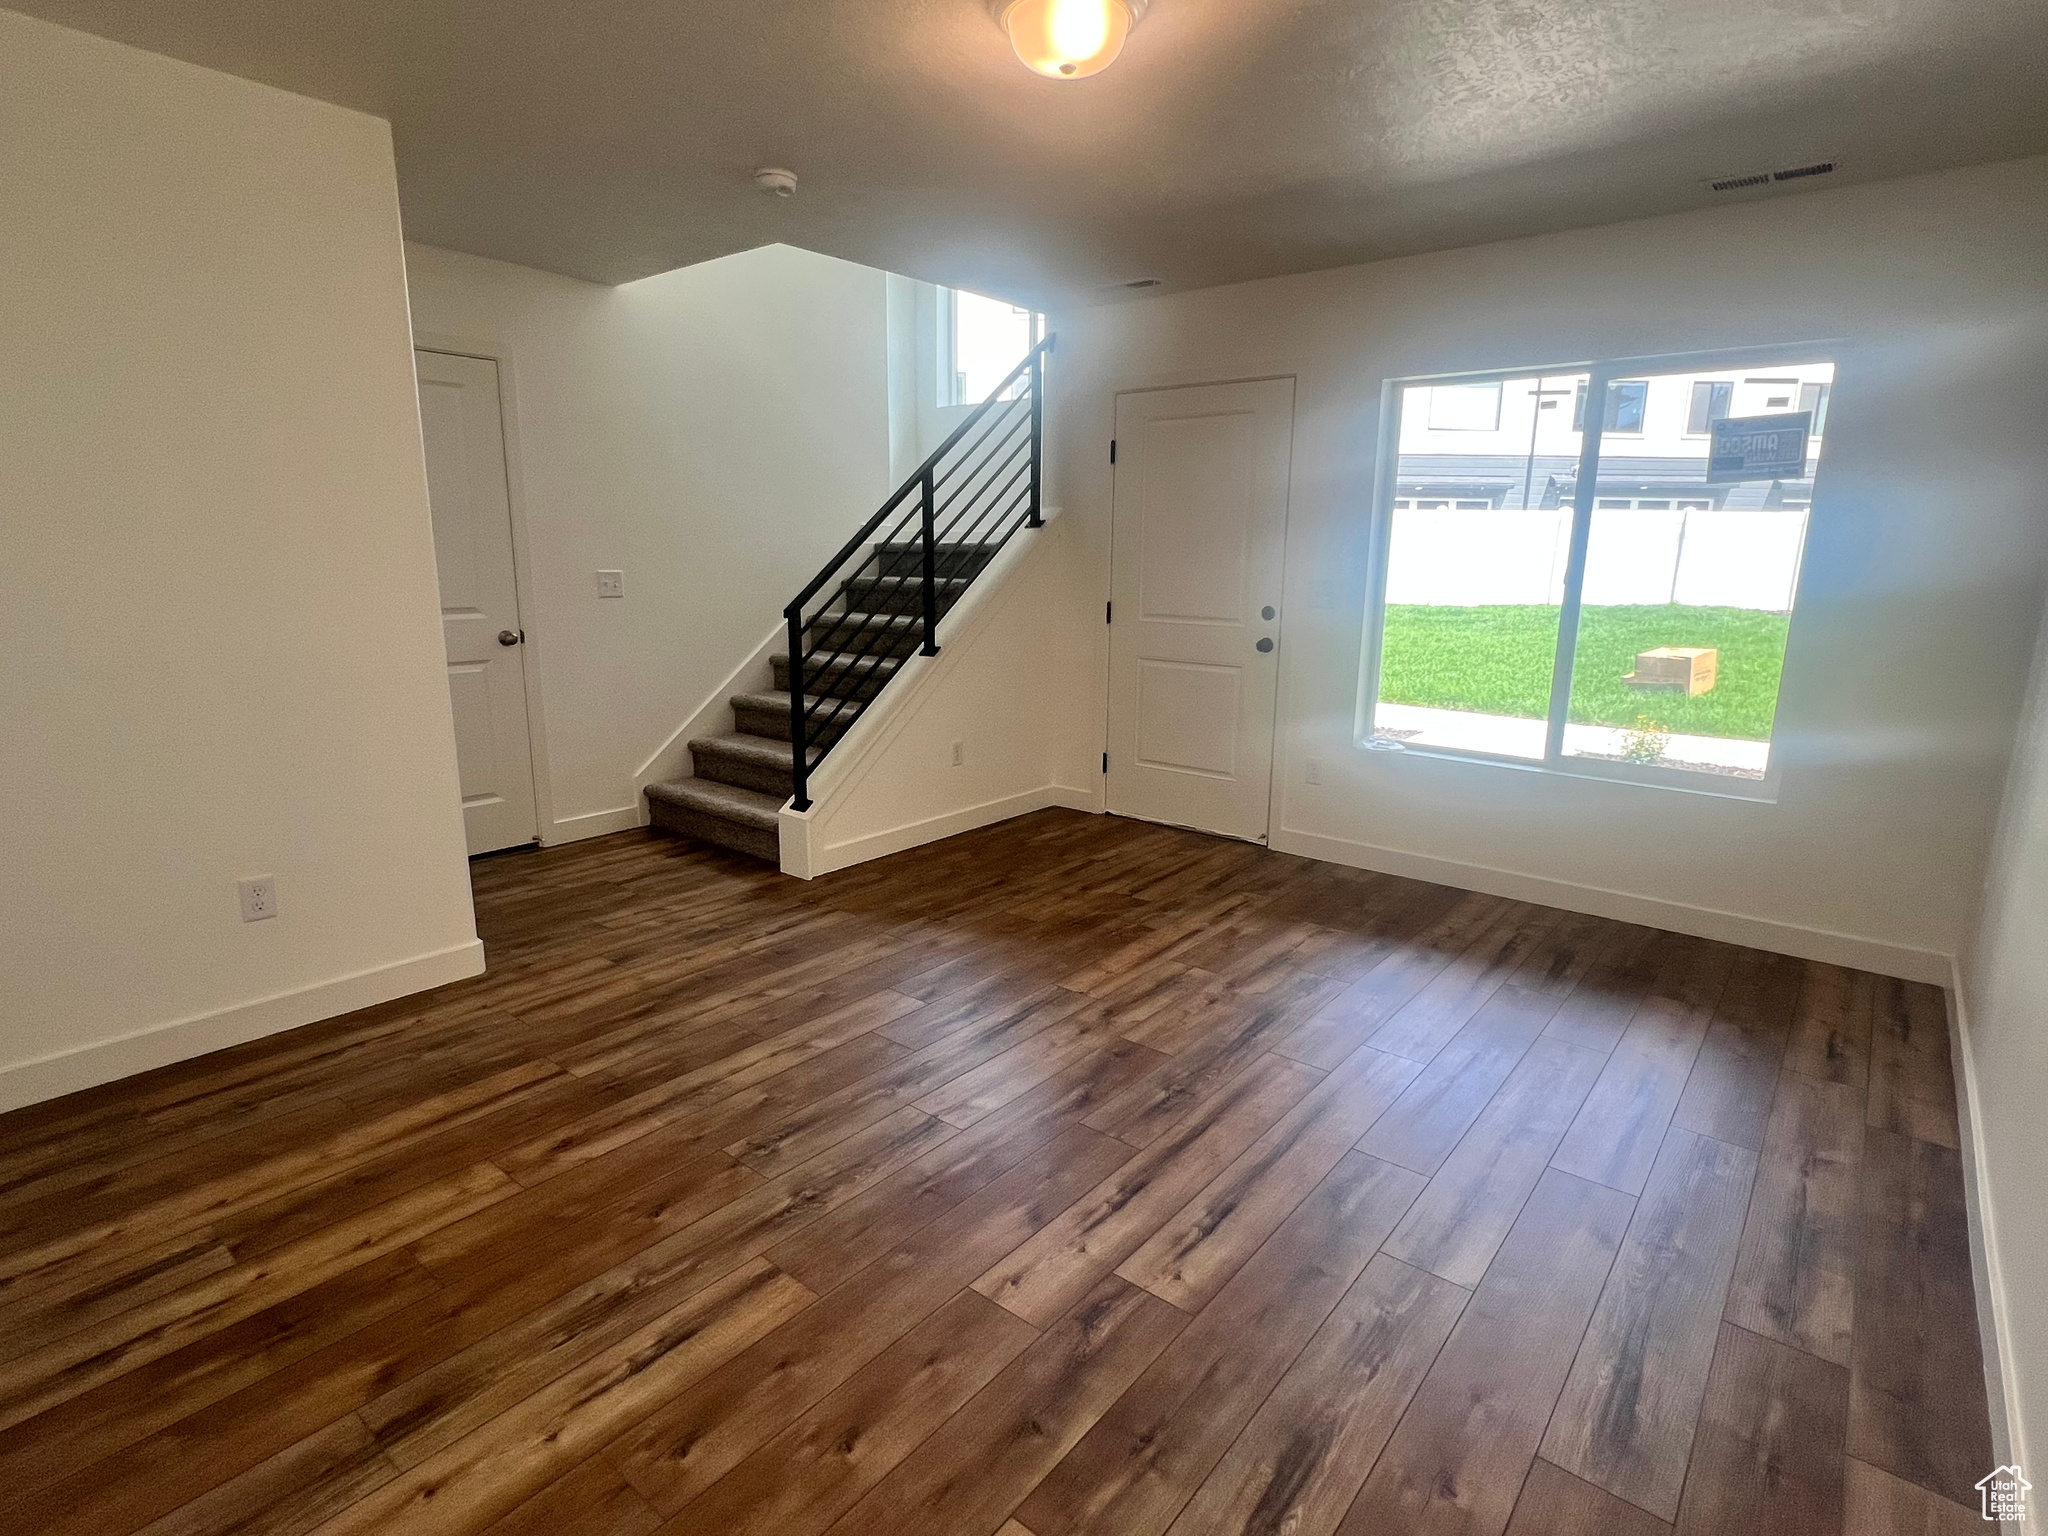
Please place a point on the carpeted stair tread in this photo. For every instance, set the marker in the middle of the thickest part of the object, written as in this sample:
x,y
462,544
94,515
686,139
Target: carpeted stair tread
x,y
746,806
779,699
761,750
752,762
767,714
745,820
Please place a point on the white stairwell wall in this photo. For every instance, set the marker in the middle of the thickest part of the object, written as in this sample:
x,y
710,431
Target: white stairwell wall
x,y
715,432
1012,685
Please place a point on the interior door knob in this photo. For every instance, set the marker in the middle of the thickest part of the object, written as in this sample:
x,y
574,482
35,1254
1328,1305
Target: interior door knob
x,y
511,636
1266,644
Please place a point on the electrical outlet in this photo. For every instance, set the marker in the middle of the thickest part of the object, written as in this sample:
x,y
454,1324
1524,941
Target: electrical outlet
x,y
259,898
611,583
1315,770
959,753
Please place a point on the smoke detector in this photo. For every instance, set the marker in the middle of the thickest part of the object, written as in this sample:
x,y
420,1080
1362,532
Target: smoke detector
x,y
772,179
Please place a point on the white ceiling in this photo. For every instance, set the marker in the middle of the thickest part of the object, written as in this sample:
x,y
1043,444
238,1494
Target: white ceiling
x,y
611,139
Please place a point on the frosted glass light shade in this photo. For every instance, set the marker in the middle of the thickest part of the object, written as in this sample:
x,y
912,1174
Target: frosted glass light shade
x,y
1068,39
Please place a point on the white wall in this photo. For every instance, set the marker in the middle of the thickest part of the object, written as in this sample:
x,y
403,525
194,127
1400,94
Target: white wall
x,y
220,652
2006,1040
715,432
1922,575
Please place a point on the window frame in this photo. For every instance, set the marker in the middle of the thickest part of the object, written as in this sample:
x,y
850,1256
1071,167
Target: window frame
x,y
1555,760
1725,388
948,359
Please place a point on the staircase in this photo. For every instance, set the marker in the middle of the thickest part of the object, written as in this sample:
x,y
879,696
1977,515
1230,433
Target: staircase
x,y
745,778
877,603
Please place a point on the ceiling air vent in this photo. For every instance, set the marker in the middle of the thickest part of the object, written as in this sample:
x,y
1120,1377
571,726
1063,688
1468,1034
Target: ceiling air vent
x,y
1143,282
1752,180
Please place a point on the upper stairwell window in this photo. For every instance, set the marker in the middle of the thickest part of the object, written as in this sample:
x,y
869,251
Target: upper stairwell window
x,y
1602,583
980,341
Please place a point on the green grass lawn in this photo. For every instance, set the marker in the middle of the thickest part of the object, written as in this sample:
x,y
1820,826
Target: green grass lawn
x,y
1497,661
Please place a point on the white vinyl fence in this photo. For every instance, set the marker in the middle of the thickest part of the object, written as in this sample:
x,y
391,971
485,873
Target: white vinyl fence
x,y
1714,558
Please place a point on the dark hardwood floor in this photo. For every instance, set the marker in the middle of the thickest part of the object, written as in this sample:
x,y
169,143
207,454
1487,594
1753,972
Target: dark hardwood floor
x,y
1077,1177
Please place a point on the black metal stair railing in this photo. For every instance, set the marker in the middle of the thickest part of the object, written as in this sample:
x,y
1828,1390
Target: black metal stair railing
x,y
949,520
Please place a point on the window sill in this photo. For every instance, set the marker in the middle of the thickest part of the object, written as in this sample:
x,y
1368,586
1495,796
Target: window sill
x,y
1762,791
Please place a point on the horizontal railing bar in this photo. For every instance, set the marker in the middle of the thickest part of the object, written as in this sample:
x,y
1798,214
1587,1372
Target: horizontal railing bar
x,y
993,520
1001,502
1015,443
1022,418
917,476
1007,498
853,684
854,677
973,493
1021,470
994,399
866,532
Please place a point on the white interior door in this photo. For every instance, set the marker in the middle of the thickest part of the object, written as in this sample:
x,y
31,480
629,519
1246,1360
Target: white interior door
x,y
1199,542
465,437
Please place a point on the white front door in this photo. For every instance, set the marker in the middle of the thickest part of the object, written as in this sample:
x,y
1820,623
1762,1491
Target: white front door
x,y
465,437
1200,518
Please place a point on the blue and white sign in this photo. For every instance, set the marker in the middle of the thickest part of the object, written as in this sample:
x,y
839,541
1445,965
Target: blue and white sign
x,y
1759,448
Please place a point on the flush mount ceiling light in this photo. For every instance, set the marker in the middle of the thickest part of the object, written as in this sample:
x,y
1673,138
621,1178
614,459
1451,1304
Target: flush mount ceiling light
x,y
1068,39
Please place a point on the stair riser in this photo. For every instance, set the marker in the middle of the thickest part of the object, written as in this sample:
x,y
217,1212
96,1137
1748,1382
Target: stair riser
x,y
757,841
753,720
832,680
721,769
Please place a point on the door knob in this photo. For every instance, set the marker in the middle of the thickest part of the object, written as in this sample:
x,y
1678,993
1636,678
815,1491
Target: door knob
x,y
1266,644
511,636
1266,612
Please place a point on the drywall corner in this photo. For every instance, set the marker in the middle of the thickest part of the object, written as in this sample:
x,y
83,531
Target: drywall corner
x,y
2008,1430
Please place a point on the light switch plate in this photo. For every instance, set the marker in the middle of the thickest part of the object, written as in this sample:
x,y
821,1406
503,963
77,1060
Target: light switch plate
x,y
611,583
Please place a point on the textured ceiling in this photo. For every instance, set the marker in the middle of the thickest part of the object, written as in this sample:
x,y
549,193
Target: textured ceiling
x,y
611,139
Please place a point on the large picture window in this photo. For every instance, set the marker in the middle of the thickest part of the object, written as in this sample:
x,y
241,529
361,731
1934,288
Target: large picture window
x,y
1603,590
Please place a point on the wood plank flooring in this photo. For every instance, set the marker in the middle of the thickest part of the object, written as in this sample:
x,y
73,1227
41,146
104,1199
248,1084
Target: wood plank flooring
x,y
1075,1177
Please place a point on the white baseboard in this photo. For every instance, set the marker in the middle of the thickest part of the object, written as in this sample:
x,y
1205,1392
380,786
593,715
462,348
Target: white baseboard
x,y
2008,1429
917,833
573,829
103,1061
1677,917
